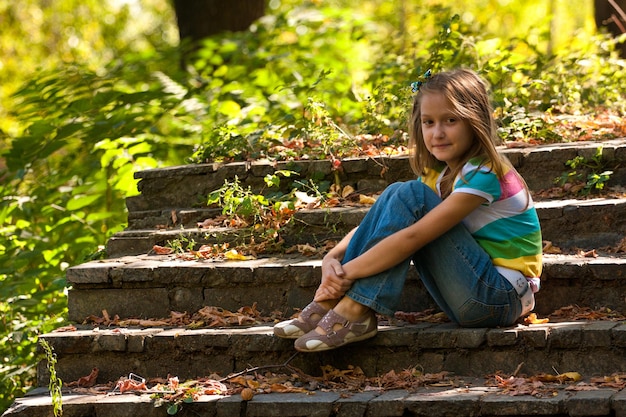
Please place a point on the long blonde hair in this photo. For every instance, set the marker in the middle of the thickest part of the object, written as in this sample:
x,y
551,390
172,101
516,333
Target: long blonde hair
x,y
470,99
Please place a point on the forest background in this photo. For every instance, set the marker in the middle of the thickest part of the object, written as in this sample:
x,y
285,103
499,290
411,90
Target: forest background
x,y
92,91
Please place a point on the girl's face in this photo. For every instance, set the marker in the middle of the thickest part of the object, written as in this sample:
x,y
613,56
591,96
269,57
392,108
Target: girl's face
x,y
446,136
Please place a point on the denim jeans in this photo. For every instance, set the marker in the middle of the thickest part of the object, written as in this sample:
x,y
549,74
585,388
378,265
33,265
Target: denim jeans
x,y
455,270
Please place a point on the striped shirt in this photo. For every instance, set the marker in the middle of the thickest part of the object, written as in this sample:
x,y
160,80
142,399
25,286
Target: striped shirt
x,y
506,226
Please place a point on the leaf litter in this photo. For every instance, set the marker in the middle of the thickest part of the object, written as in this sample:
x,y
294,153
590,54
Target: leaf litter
x,y
172,393
261,380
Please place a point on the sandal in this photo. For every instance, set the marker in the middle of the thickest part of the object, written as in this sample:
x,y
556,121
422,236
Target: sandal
x,y
355,331
293,329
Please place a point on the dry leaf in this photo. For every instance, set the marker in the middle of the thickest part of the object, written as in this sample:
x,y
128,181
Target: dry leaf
x,y
561,378
532,319
162,250
208,223
70,328
347,190
233,255
588,254
287,389
363,199
130,385
621,246
306,249
143,323
549,248
86,381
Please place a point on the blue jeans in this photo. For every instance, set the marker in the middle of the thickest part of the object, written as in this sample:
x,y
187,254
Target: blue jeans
x,y
455,270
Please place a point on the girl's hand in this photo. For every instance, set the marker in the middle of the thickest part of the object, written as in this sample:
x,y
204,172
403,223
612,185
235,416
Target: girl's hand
x,y
334,283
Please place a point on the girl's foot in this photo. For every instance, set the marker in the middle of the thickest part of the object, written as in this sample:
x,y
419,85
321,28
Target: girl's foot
x,y
338,331
307,320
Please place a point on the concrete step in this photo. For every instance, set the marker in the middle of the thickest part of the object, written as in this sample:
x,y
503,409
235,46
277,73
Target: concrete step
x,y
591,348
470,398
186,187
153,285
583,223
134,283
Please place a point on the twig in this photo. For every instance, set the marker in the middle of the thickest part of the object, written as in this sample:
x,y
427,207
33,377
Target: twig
x,y
618,10
260,368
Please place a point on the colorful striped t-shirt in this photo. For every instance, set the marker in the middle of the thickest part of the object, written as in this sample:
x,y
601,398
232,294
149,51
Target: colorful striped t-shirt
x,y
506,226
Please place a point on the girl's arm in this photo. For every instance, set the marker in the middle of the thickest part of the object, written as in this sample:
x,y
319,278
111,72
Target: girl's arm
x,y
404,243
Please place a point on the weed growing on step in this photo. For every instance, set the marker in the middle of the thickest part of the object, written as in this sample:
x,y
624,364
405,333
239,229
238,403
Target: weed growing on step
x,y
594,174
265,215
55,385
182,244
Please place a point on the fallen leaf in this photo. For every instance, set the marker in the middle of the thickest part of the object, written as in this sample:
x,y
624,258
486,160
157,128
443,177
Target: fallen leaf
x,y
363,199
532,319
85,381
287,389
234,255
588,254
208,223
306,249
131,385
143,323
561,378
162,250
70,328
549,248
347,190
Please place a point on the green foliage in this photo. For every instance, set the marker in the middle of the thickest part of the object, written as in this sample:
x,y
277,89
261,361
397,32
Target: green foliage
x,y
42,35
182,244
239,201
55,385
518,124
234,200
275,92
590,173
66,172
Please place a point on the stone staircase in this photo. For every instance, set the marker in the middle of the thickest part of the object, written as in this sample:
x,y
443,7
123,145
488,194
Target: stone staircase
x,y
135,282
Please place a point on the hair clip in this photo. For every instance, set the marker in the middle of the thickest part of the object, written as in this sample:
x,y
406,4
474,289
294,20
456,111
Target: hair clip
x,y
415,86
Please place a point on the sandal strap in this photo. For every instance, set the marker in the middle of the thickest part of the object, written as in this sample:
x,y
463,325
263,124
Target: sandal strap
x,y
305,324
336,337
312,308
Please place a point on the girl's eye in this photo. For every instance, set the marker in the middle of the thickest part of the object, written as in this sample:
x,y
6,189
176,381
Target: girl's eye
x,y
451,120
427,122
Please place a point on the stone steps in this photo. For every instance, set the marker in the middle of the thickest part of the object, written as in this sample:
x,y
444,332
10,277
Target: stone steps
x,y
581,223
470,398
150,286
591,348
186,188
133,282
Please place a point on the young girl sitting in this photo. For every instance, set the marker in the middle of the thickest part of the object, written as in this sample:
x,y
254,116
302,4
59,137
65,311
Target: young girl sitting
x,y
468,224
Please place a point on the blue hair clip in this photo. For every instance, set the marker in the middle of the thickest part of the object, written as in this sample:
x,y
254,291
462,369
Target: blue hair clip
x,y
415,86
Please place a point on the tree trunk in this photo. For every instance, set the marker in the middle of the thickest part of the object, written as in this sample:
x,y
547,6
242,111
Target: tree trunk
x,y
198,19
611,14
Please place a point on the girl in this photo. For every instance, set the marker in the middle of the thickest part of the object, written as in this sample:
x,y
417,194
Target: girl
x,y
467,223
